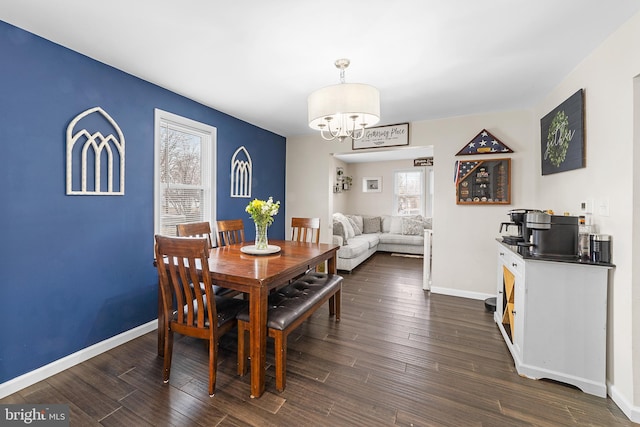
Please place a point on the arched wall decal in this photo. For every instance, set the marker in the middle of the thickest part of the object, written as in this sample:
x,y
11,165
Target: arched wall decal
x,y
241,173
92,150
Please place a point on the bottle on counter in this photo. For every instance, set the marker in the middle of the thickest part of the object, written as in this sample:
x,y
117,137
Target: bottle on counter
x,y
585,229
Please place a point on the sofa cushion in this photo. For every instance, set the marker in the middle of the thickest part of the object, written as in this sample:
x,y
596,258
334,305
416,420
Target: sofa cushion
x,y
371,225
356,247
372,238
401,239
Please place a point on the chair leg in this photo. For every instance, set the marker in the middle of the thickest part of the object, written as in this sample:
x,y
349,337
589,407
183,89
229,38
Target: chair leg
x,y
213,364
338,301
280,342
242,347
168,351
332,306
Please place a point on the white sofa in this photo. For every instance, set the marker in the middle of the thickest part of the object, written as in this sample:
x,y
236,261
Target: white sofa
x,y
360,236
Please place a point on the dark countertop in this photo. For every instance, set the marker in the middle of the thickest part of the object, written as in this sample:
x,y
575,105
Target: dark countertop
x,y
554,258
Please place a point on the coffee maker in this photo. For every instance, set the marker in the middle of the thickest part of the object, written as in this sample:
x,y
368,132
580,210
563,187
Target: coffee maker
x,y
552,235
518,217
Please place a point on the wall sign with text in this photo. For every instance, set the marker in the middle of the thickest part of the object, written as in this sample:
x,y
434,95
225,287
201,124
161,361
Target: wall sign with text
x,y
562,136
383,136
423,161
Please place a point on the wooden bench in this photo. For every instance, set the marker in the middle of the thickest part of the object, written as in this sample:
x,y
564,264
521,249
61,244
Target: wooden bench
x,y
288,308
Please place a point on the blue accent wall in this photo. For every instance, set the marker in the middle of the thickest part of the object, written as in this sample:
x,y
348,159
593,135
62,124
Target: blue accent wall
x,y
76,270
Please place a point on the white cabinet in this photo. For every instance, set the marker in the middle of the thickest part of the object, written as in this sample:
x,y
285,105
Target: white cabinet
x,y
510,302
553,317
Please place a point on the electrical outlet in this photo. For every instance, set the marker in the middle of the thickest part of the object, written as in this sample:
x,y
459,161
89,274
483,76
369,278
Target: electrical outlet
x,y
603,207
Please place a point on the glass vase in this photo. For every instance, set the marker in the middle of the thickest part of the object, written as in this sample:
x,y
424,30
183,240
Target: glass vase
x,y
262,242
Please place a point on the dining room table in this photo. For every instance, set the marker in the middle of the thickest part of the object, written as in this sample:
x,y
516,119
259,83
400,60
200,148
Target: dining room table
x,y
256,273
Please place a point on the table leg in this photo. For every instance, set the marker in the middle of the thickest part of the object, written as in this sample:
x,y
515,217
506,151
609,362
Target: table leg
x,y
331,265
334,303
258,340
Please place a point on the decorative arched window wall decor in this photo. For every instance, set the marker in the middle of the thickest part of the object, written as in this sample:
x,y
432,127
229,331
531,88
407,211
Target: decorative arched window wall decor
x,y
95,162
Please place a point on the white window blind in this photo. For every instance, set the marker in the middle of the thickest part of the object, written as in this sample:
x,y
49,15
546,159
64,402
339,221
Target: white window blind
x,y
184,178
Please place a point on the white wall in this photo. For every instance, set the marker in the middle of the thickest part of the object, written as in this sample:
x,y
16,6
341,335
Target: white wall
x,y
607,77
375,203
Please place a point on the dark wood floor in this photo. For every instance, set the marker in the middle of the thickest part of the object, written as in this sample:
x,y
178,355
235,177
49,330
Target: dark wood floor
x,y
400,356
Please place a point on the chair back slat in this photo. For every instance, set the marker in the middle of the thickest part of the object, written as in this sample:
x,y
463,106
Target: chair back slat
x,y
195,229
230,231
305,229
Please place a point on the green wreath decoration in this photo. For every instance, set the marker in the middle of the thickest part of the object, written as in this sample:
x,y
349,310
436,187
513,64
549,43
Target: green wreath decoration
x,y
557,147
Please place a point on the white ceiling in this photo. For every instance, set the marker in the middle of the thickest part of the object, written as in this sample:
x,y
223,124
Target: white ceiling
x,y
259,60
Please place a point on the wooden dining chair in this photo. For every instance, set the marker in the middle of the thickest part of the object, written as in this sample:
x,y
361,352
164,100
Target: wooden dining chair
x,y
191,310
203,229
195,229
230,231
305,230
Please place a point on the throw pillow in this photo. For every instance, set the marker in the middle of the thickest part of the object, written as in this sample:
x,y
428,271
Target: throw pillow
x,y
338,230
348,229
412,226
356,223
427,222
396,225
371,225
385,223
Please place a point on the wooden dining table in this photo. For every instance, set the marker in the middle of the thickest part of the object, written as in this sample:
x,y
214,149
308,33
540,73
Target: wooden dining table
x,y
256,275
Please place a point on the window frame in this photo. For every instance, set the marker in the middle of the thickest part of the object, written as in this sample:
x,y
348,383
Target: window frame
x,y
423,192
208,134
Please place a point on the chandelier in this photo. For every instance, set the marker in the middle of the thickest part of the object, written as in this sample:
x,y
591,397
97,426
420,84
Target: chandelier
x,y
343,110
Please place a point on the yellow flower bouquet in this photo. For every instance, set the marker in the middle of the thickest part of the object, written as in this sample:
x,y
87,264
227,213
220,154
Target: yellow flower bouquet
x,y
262,213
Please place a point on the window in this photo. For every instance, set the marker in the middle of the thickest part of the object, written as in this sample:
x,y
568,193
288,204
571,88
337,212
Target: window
x,y
408,193
184,180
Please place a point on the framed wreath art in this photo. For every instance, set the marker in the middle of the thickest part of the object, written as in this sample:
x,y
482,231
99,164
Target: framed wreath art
x,y
562,136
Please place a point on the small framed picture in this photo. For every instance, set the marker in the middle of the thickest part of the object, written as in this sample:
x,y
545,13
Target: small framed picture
x,y
372,184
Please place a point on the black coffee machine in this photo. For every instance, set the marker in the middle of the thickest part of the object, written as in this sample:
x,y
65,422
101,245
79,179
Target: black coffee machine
x,y
518,220
552,235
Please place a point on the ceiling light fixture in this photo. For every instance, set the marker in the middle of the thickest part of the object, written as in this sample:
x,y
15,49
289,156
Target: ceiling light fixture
x,y
343,110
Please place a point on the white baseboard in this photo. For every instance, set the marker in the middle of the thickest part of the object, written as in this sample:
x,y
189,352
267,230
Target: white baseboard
x,y
459,293
67,362
632,412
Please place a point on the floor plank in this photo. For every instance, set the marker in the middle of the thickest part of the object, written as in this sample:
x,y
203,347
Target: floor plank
x,y
399,356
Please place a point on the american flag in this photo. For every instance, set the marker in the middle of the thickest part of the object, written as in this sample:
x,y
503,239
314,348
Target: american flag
x,y
484,143
462,169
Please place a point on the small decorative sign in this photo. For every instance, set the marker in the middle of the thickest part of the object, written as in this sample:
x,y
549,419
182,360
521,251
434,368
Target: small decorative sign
x,y
484,143
383,136
562,136
425,161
